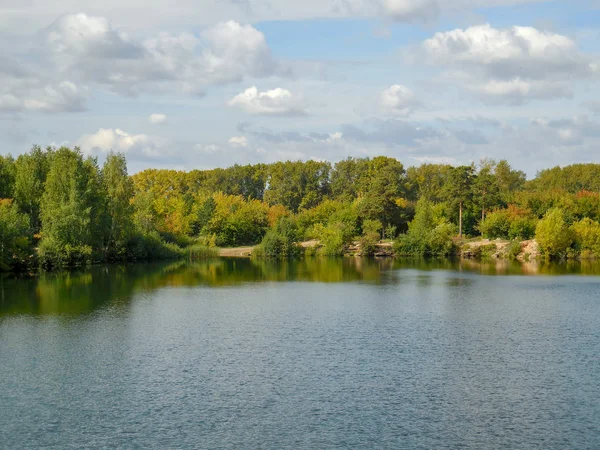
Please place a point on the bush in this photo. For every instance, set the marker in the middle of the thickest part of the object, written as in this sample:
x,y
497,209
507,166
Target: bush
x,y
53,255
150,246
510,223
496,225
370,237
587,238
424,237
440,241
553,234
280,241
334,238
522,228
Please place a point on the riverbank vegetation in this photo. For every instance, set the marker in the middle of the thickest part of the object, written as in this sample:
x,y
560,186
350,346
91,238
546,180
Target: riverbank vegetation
x,y
62,209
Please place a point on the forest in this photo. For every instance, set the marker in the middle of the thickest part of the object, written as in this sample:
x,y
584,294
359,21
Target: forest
x,y
61,209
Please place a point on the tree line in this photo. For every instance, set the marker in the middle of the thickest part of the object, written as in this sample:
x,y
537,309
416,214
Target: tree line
x,y
59,208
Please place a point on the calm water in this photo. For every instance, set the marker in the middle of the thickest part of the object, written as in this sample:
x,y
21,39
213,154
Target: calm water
x,y
315,354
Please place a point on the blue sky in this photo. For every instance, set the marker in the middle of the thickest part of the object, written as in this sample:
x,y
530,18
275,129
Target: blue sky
x,y
209,83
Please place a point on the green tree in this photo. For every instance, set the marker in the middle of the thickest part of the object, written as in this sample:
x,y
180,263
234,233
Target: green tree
x,y
553,234
280,241
30,176
7,176
298,185
119,193
508,180
383,192
14,236
485,188
459,191
71,209
587,237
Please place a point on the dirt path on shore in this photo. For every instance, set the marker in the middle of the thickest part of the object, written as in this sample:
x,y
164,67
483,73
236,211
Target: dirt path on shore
x,y
236,252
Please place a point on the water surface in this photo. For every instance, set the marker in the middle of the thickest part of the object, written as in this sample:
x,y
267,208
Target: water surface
x,y
318,353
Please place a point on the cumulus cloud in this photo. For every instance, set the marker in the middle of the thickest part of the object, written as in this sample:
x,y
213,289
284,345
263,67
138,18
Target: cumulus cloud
x,y
133,145
32,95
97,52
276,102
83,35
398,99
157,119
510,65
238,141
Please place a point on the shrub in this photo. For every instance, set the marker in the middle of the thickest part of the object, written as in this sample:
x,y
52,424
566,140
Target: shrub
x,y
53,255
522,228
440,241
424,236
587,238
510,223
553,234
496,225
280,241
334,238
150,246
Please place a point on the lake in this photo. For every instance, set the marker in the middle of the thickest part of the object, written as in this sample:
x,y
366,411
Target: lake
x,y
315,354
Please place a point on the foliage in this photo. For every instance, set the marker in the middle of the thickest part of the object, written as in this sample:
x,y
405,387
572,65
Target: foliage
x,y
119,191
587,237
72,210
77,213
280,241
426,236
553,234
370,237
334,238
15,245
31,170
236,221
508,223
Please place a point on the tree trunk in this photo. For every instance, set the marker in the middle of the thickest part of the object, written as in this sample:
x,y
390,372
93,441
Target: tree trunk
x,y
460,220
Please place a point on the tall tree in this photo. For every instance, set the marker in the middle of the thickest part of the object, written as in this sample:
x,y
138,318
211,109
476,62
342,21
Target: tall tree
x,y
459,190
509,180
383,191
485,188
14,236
7,176
31,170
71,208
119,193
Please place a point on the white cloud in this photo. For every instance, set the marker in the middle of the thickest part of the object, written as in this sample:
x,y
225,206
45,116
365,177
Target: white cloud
x,y
133,145
510,65
518,91
276,102
238,141
31,95
507,52
157,119
91,48
83,35
398,99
